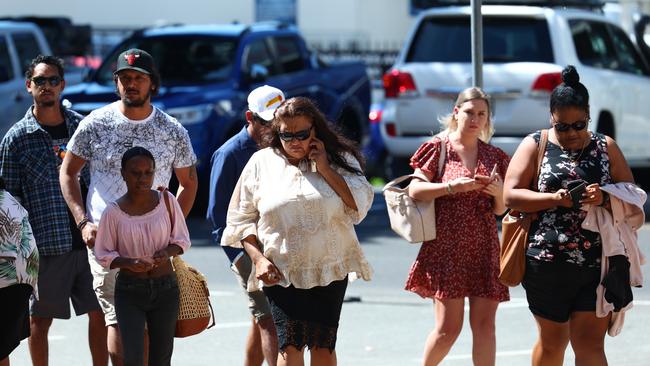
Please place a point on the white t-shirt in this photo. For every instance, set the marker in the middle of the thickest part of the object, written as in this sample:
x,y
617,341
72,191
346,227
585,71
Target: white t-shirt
x,y
303,225
105,134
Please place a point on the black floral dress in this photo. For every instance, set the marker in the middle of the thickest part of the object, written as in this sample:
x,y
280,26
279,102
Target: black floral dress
x,y
556,234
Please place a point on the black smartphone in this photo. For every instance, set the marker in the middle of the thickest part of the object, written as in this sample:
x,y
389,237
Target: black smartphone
x,y
576,189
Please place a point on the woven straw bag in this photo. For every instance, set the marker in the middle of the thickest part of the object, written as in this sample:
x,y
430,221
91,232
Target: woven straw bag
x,y
413,220
194,308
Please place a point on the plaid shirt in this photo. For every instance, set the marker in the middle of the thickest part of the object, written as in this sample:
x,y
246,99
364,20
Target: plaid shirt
x,y
30,169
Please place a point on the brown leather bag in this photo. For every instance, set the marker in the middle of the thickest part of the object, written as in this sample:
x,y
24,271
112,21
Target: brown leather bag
x,y
514,232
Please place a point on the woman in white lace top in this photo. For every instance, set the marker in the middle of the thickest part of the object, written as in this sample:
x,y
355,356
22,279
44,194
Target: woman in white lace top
x,y
293,211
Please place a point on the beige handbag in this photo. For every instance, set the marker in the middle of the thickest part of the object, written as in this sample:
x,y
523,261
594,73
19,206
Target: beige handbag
x,y
411,219
194,307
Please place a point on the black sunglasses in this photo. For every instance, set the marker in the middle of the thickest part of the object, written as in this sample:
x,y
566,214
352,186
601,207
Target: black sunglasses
x,y
300,135
41,80
564,127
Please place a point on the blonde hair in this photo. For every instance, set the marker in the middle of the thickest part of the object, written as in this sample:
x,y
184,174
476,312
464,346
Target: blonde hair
x,y
449,123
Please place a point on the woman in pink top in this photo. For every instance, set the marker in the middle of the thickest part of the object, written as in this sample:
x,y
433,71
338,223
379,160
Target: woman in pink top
x,y
136,234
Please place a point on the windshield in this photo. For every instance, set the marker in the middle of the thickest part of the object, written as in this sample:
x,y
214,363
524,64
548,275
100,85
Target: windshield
x,y
505,39
181,60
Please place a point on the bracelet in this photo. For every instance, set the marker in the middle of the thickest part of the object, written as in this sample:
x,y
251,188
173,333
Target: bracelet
x,y
83,223
450,190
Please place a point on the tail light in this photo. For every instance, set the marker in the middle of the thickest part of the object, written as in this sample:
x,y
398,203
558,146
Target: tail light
x,y
547,82
375,115
398,83
391,130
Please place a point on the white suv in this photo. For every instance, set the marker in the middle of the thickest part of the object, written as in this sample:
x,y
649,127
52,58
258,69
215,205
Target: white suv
x,y
525,48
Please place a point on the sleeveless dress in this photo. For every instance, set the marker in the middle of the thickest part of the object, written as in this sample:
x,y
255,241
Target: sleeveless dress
x,y
463,260
556,234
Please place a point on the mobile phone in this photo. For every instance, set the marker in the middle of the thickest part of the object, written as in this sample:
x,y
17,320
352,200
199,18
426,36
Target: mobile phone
x,y
576,189
493,174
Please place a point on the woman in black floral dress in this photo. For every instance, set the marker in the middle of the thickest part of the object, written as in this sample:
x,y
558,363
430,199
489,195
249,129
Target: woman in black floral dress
x,y
562,259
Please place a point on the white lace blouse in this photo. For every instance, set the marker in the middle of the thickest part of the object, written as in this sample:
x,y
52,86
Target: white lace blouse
x,y
304,227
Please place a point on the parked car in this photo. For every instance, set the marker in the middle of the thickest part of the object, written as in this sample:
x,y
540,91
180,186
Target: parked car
x,y
19,44
208,70
525,49
374,149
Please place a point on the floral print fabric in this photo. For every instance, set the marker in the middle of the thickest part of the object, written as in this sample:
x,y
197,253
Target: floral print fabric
x,y
18,252
557,234
463,260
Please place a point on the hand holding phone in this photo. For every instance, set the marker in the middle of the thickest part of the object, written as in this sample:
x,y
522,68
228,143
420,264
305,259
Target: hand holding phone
x,y
576,189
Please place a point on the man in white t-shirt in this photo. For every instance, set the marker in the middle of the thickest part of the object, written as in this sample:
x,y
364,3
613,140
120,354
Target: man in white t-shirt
x,y
100,140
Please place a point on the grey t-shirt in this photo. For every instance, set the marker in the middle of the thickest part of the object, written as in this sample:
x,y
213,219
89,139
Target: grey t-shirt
x,y
105,134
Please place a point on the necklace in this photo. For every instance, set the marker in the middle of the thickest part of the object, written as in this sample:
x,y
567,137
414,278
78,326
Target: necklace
x,y
575,161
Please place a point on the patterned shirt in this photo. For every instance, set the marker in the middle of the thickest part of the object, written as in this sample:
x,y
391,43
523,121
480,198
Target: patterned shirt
x,y
105,134
18,252
557,234
30,169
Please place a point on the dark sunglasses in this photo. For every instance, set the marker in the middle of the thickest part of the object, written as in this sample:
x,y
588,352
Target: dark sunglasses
x,y
41,80
564,127
300,135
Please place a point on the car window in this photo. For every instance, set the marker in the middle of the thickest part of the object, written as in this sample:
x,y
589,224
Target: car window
x,y
27,48
505,39
629,59
257,52
180,60
593,44
289,56
6,69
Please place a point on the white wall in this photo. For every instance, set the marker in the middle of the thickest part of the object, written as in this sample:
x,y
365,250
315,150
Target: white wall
x,y
362,20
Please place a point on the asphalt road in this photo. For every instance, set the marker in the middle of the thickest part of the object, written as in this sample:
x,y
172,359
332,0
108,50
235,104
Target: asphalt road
x,y
381,325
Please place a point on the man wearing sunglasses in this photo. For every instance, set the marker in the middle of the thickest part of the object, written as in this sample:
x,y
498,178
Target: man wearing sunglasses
x,y
32,154
227,164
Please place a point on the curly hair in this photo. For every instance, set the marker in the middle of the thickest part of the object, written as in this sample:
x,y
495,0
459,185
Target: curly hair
x,y
48,60
336,145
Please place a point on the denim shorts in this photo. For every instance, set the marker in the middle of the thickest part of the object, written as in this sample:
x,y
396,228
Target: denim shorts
x,y
555,290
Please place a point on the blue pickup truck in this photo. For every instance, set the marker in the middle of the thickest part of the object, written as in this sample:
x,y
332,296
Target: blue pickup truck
x,y
208,70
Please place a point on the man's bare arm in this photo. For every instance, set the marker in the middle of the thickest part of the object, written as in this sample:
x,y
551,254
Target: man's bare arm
x,y
70,187
188,184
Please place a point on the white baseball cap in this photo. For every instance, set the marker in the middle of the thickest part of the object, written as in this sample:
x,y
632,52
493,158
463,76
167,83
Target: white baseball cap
x,y
264,100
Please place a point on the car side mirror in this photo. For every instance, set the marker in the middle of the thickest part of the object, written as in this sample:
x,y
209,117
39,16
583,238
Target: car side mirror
x,y
258,73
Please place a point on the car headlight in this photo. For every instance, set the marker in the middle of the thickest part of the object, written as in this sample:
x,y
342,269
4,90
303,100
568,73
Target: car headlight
x,y
191,115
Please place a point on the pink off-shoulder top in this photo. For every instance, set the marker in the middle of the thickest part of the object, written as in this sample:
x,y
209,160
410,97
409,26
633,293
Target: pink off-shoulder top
x,y
122,235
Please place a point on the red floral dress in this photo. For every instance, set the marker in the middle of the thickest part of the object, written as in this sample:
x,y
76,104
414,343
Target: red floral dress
x,y
463,260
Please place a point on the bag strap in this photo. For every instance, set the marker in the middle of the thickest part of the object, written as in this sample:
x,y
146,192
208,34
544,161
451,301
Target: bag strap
x,y
168,205
441,159
541,149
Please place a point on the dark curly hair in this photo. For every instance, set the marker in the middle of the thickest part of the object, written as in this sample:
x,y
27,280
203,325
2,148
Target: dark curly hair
x,y
48,60
336,145
571,93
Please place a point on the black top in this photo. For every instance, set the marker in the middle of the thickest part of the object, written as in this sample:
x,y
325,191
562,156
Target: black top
x,y
556,234
60,138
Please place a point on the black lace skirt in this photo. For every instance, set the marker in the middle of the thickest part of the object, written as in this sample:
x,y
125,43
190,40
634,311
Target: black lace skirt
x,y
307,317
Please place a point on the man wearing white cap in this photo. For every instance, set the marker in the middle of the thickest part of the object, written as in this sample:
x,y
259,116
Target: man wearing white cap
x,y
227,164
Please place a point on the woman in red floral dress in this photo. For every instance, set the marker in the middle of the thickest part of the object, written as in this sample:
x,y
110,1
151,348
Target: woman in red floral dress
x,y
463,260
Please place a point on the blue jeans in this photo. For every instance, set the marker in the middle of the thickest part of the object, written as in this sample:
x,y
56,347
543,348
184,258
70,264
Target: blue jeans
x,y
150,300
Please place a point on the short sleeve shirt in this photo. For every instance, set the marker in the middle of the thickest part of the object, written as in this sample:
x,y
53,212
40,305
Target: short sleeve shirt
x,y
105,134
